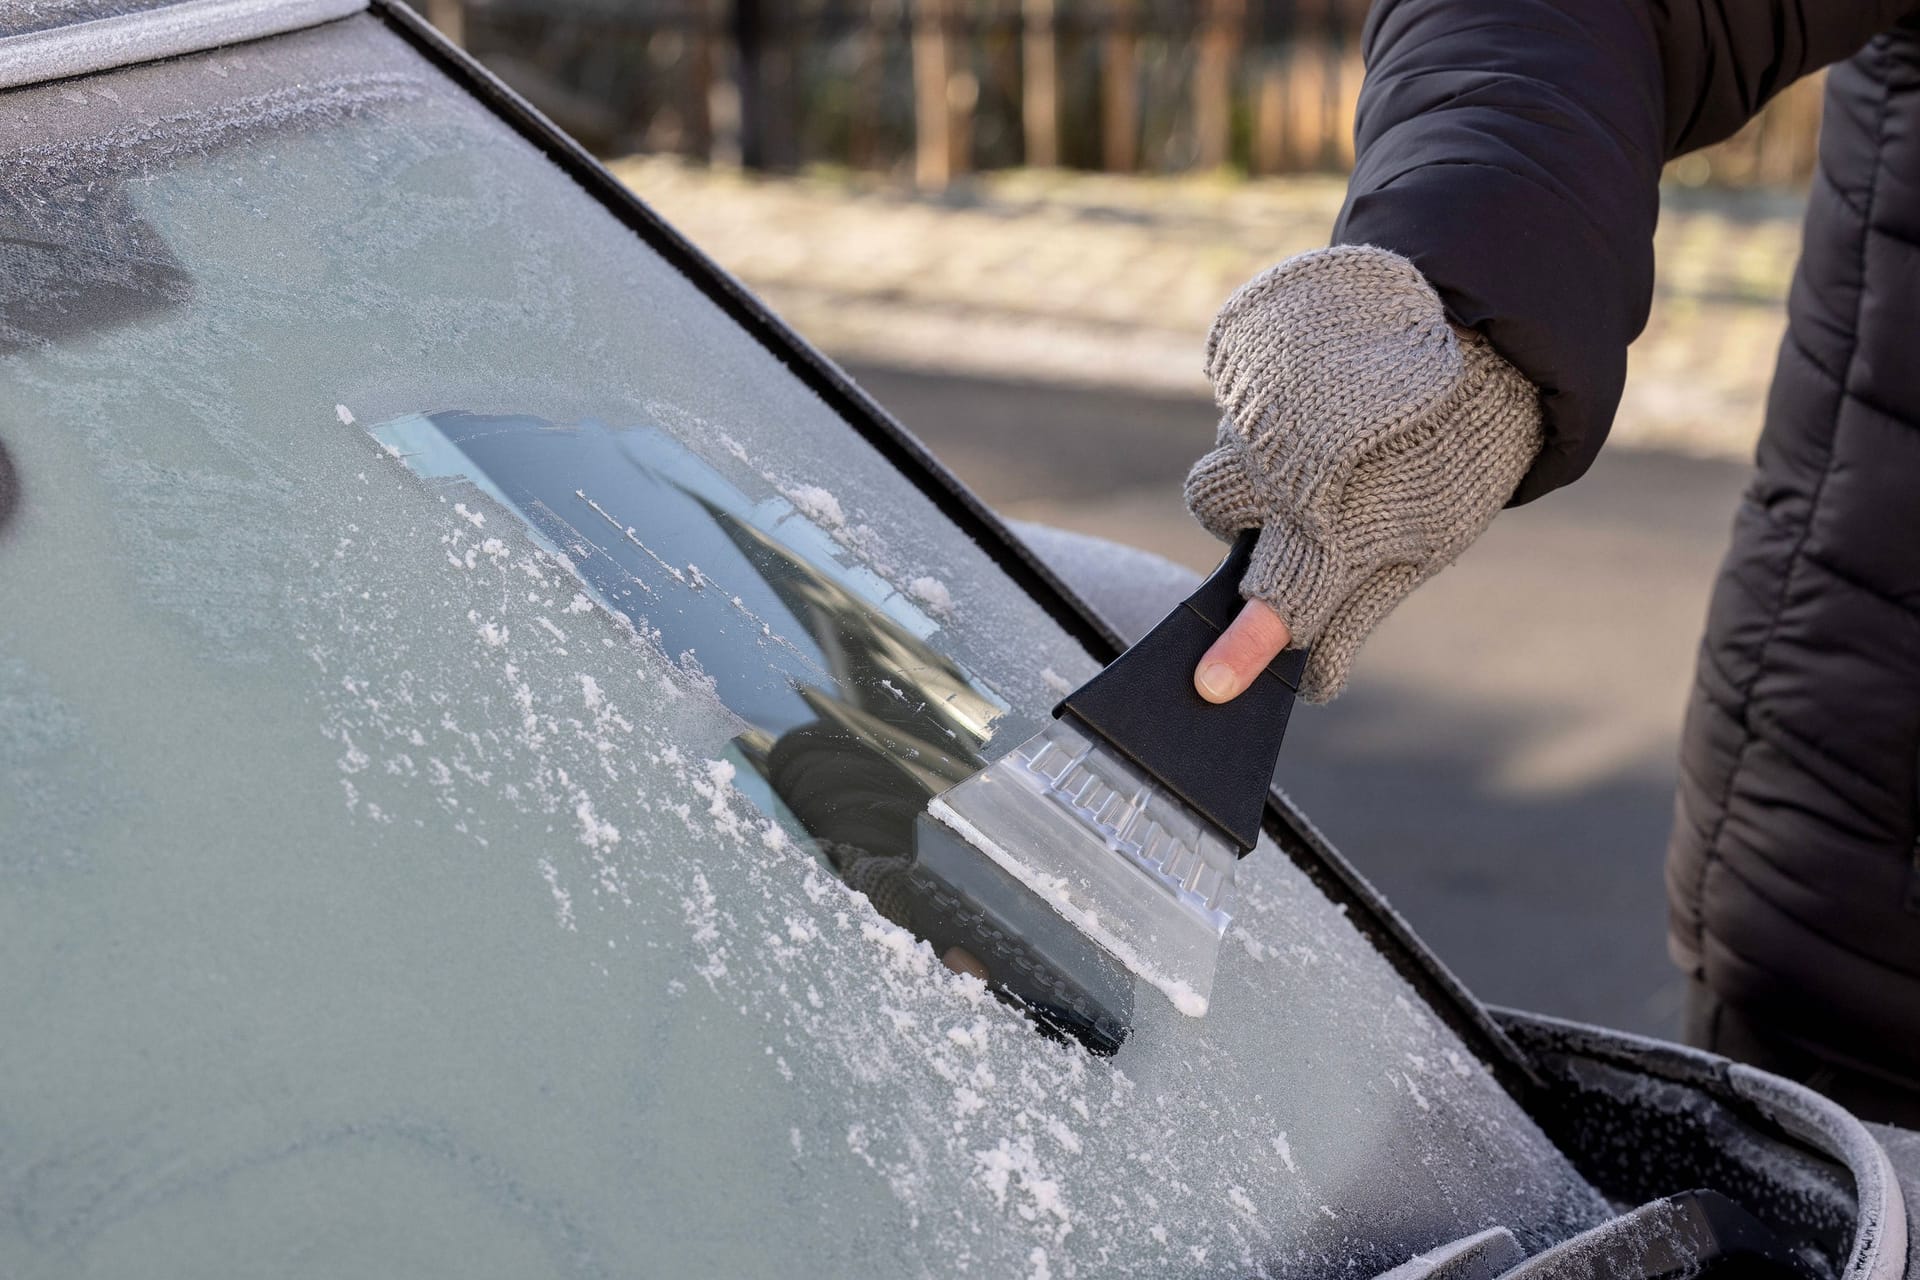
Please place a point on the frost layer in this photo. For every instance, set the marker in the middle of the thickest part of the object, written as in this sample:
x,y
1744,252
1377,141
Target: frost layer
x,y
422,911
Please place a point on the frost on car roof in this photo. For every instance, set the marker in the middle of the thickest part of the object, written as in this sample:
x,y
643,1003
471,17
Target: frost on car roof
x,y
399,896
22,17
43,40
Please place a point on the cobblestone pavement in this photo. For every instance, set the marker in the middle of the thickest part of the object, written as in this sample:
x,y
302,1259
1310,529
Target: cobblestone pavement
x,y
1111,281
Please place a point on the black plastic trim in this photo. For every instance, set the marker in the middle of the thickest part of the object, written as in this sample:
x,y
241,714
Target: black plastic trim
x,y
1604,1108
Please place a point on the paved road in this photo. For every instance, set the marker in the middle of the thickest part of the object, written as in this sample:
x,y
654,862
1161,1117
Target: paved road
x,y
1105,281
1503,764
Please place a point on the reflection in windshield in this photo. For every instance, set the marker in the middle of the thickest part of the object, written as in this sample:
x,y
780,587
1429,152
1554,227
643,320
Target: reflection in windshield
x,y
853,721
78,263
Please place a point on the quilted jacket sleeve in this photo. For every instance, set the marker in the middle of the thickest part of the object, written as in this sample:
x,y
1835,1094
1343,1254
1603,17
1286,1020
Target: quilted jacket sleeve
x,y
1512,149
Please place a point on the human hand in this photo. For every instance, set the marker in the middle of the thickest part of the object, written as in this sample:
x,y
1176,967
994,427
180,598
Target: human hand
x,y
1249,643
1367,438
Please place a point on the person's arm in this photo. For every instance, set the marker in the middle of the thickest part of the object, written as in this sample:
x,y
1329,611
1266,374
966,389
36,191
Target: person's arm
x,y
1511,151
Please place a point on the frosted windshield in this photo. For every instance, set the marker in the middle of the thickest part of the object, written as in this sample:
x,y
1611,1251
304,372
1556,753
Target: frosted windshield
x,y
421,860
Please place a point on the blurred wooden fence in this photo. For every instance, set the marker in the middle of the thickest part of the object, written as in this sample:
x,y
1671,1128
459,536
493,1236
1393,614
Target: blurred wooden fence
x,y
940,88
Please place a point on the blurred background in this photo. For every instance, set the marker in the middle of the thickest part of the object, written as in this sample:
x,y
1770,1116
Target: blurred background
x,y
1012,221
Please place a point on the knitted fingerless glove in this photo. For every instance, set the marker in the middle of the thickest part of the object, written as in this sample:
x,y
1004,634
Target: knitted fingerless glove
x,y
1367,438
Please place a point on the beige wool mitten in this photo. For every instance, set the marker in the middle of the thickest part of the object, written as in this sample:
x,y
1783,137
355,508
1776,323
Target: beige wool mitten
x,y
1366,437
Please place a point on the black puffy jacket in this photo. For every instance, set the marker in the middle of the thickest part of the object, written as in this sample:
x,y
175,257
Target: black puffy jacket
x,y
1512,149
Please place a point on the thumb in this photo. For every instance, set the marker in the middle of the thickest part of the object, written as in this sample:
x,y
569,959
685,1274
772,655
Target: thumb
x,y
1253,640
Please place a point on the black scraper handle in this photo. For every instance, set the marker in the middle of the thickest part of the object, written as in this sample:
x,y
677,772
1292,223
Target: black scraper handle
x,y
1218,758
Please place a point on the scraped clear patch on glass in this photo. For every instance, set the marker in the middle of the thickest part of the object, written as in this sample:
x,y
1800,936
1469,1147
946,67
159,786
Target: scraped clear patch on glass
x,y
852,721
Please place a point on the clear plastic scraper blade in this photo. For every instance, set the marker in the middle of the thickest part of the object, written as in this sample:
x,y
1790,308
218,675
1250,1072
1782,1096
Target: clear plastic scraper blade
x,y
1106,847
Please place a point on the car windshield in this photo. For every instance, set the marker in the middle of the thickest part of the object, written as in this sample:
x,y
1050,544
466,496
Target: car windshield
x,y
453,680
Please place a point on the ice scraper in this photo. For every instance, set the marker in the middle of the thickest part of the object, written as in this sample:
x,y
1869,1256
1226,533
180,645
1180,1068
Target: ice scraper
x,y
1130,811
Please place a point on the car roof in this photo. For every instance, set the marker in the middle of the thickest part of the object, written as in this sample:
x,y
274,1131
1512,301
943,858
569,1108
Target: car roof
x,y
44,40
